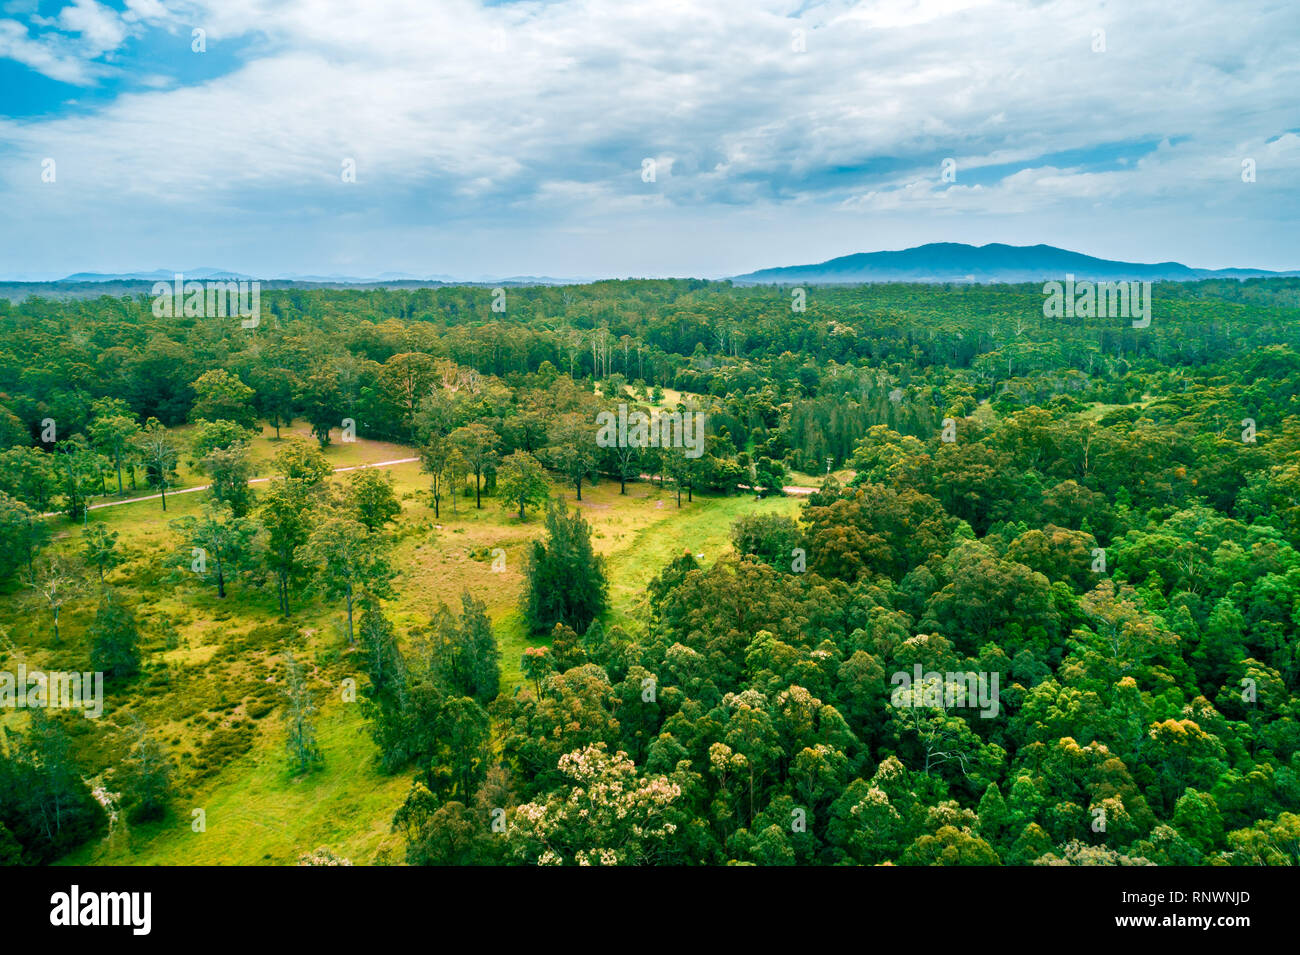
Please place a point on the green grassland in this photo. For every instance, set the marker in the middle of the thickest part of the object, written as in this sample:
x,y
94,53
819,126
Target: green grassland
x,y
213,684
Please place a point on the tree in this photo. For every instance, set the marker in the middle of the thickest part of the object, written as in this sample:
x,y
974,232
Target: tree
x,y
217,543
299,462
286,513
146,778
678,469
219,395
606,815
478,443
769,537
22,534
435,461
457,472
229,468
443,835
769,475
29,474
564,578
371,499
48,808
572,449
99,549
482,656
81,472
627,463
159,456
403,381
462,748
464,650
522,482
113,430
275,389
209,436
57,582
950,846
535,664
322,404
348,561
115,638
304,752
380,656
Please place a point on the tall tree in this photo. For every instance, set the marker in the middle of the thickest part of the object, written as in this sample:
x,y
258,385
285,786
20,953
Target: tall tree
x,y
22,534
371,499
58,582
564,577
81,470
478,443
113,430
229,469
115,638
323,404
275,396
572,449
299,462
348,561
146,778
304,751
287,515
99,549
219,395
218,545
435,461
522,482
159,455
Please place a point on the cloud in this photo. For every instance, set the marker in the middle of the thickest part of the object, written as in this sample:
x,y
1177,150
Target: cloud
x,y
100,28
466,119
43,56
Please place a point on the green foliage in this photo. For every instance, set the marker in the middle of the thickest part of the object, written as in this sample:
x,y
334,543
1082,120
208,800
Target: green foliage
x,y
769,537
522,483
1098,534
48,809
565,579
371,499
115,638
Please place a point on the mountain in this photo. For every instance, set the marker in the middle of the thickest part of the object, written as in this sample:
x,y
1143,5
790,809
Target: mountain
x,y
957,262
158,275
384,278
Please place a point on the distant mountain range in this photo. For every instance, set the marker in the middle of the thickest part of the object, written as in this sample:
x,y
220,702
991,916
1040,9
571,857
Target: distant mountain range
x,y
957,262
935,262
158,275
384,278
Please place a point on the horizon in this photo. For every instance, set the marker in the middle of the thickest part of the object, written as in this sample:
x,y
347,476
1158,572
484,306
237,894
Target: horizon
x,y
524,278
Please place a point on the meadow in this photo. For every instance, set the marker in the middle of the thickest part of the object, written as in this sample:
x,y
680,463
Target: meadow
x,y
213,691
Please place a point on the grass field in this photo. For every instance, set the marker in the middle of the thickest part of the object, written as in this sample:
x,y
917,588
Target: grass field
x,y
213,688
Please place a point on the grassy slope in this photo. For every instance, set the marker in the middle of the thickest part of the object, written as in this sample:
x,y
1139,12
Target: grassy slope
x,y
223,662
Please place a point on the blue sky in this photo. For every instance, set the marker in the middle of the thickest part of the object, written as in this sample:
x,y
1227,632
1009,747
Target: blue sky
x,y
500,139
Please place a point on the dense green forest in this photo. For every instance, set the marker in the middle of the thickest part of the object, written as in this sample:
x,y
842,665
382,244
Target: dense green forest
x,y
1098,521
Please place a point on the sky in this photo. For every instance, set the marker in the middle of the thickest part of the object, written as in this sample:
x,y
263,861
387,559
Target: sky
x,y
618,138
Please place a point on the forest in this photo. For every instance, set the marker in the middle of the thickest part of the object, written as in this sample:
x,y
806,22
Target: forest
x,y
364,587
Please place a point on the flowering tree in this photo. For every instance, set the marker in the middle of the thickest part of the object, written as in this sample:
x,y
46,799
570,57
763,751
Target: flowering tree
x,y
608,816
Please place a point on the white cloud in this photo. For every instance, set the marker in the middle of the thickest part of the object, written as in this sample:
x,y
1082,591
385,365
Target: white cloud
x,y
43,57
100,27
533,115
